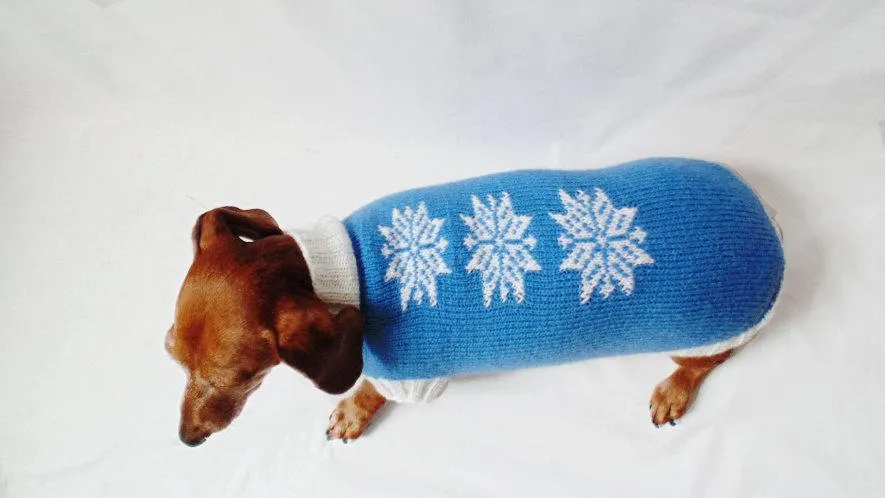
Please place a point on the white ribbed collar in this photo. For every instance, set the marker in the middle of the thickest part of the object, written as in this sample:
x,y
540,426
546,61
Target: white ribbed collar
x,y
330,259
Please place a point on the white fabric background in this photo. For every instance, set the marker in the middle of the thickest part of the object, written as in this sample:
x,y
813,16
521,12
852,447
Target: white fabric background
x,y
121,121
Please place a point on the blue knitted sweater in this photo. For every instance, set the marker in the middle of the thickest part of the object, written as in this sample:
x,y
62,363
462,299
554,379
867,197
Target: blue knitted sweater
x,y
533,268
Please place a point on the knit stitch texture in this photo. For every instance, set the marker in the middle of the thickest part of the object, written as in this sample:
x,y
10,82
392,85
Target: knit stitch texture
x,y
541,267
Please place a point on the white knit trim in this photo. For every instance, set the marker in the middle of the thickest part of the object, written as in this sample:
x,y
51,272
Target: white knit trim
x,y
331,262
743,338
410,391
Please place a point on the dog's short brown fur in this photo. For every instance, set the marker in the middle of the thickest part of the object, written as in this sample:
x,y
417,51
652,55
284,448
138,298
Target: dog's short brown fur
x,y
247,305
244,307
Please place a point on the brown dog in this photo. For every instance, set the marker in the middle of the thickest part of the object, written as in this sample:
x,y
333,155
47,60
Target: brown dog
x,y
247,305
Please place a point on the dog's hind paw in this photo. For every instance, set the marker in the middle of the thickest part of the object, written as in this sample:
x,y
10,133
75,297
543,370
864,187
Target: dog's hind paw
x,y
669,401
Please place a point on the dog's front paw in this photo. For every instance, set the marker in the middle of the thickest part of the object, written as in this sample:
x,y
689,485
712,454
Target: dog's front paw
x,y
352,416
348,421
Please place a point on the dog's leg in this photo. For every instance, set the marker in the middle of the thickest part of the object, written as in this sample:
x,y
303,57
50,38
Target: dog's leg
x,y
675,394
354,414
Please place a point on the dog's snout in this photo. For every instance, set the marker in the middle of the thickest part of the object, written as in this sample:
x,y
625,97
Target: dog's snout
x,y
191,439
193,442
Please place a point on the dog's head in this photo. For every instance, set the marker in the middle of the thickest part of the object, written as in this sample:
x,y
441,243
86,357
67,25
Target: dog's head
x,y
247,304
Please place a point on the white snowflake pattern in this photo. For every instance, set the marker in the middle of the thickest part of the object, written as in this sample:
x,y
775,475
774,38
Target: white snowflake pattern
x,y
414,249
501,250
603,247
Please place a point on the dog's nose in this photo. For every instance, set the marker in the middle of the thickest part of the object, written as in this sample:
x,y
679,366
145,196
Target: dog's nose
x,y
193,442
191,439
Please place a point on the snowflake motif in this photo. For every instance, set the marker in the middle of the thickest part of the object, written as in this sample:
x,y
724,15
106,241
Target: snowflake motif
x,y
601,247
414,249
501,251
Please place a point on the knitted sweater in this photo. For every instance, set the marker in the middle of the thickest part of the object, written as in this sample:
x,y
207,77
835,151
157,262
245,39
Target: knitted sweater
x,y
532,268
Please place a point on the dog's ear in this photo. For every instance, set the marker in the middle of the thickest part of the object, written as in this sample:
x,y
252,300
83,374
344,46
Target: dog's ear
x,y
327,348
226,224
